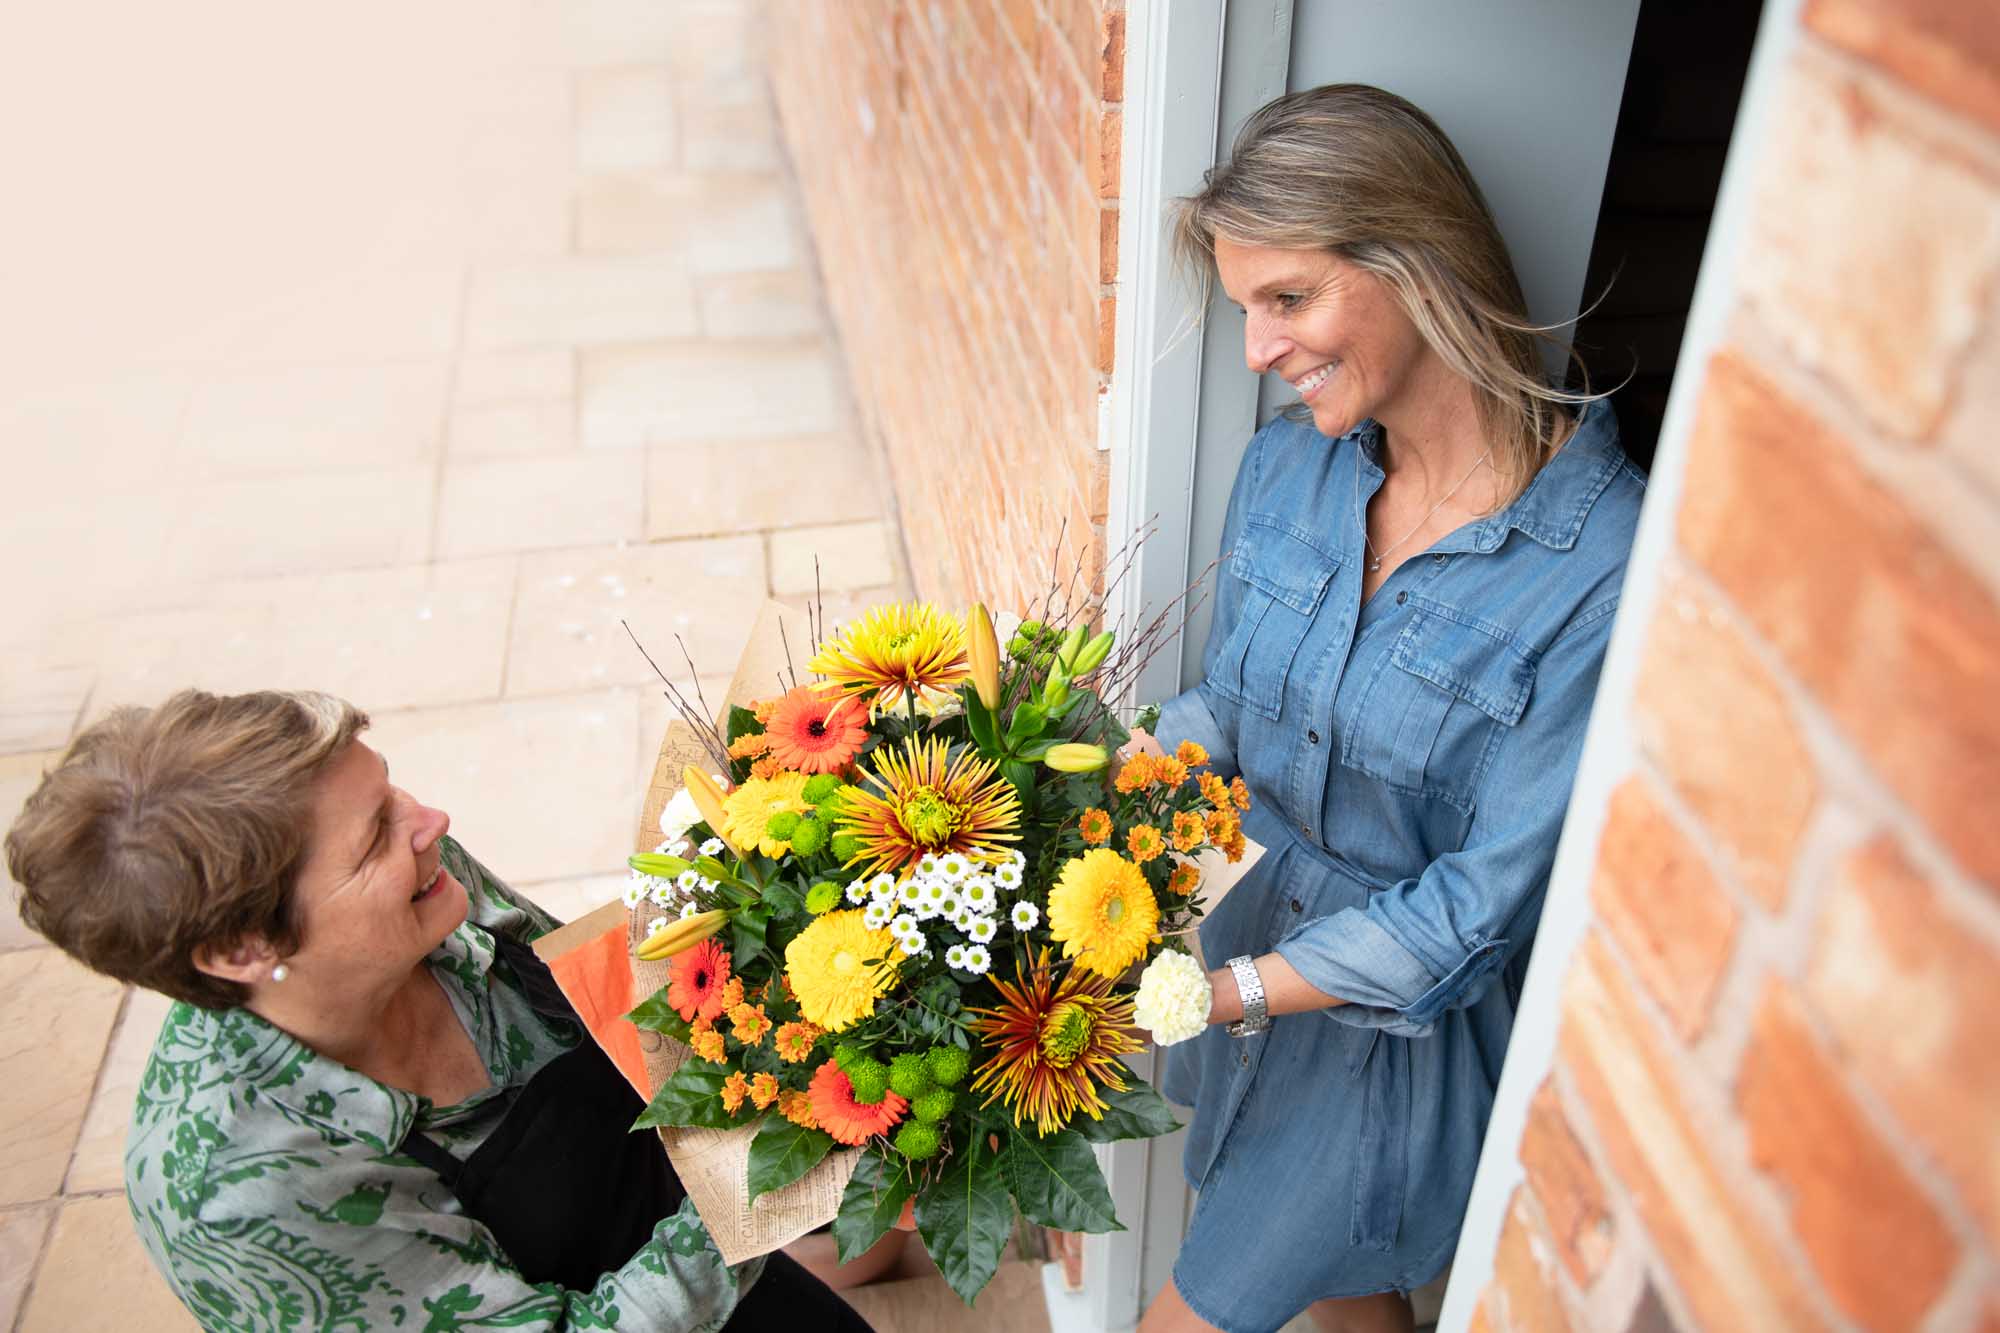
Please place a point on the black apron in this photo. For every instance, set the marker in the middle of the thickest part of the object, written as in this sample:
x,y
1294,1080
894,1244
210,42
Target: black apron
x,y
571,1193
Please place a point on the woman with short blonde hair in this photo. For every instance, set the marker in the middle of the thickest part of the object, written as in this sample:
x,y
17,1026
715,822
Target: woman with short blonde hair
x,y
1421,561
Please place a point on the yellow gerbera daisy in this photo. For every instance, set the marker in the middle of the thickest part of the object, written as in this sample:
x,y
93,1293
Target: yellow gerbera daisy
x,y
838,968
1102,911
894,649
1054,1045
749,808
926,802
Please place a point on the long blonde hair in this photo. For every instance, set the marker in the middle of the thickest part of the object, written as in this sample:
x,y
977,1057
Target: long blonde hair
x,y
1362,173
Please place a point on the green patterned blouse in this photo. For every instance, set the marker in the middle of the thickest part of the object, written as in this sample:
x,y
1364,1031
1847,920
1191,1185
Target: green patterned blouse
x,y
265,1180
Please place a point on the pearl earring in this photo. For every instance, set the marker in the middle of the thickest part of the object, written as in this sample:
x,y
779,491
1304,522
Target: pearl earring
x,y
280,972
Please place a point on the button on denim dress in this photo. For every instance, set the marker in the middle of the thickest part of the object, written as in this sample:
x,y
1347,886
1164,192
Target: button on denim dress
x,y
1410,761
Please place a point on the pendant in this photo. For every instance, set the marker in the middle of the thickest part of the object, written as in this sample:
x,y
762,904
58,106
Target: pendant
x,y
1374,566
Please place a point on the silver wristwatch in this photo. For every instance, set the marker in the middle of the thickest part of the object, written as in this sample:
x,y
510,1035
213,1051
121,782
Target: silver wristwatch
x,y
1251,987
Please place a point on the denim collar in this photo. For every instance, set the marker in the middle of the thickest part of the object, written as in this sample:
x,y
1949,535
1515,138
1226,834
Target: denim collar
x,y
1553,508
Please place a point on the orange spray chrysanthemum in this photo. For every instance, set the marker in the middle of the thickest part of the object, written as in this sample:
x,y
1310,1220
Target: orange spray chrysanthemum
x,y
734,1089
795,1041
697,982
1188,831
847,1120
813,732
1192,754
1144,842
1094,827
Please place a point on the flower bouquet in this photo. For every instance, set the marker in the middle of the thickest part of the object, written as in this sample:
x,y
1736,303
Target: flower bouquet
x,y
901,909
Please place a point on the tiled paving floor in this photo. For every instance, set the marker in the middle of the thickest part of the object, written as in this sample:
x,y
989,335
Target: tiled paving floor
x,y
445,339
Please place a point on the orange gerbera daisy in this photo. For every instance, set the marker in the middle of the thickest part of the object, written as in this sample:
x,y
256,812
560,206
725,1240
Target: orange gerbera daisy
x,y
734,1089
795,1041
1054,1045
748,1023
925,801
813,732
707,1042
1136,775
1144,842
1185,879
1188,831
696,981
1191,754
763,1090
847,1120
1095,827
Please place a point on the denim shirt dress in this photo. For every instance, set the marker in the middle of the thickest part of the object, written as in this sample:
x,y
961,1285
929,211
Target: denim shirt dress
x,y
1410,761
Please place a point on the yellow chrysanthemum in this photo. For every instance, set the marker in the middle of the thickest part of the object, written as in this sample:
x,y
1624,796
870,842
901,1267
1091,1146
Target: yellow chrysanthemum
x,y
923,802
749,808
838,967
895,649
1053,1044
1102,911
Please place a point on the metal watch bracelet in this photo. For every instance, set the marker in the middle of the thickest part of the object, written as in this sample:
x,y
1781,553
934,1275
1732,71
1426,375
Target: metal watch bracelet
x,y
1256,1018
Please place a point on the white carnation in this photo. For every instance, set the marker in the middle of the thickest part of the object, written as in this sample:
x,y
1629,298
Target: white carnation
x,y
1174,998
678,816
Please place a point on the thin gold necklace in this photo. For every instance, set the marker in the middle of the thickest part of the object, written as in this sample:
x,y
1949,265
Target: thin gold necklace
x,y
1375,557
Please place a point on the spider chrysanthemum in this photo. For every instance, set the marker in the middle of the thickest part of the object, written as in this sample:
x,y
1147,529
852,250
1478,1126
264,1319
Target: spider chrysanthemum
x,y
838,967
1102,911
814,732
1054,1045
918,801
893,650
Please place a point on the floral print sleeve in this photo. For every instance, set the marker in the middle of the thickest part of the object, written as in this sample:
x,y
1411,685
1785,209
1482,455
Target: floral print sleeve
x,y
266,1183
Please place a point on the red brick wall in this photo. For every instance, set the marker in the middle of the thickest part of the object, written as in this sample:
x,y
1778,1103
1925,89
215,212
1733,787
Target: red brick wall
x,y
959,160
1775,1100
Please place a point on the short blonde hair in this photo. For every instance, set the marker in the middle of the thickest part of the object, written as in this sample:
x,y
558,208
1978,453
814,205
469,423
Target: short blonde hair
x,y
164,830
1363,174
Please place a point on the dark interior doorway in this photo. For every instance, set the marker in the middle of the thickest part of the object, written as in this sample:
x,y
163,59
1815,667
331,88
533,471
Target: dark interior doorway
x,y
1682,89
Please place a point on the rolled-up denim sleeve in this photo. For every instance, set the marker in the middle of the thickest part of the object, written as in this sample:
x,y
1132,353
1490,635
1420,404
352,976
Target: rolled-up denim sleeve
x,y
1435,942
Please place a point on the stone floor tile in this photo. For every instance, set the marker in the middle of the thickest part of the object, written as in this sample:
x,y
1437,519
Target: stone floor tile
x,y
53,1034
626,119
715,44
112,433
96,1275
714,486
580,300
22,1231
568,899
521,375
566,633
850,555
521,504
712,223
731,127
776,304
296,525
361,315
20,774
608,32
537,788
99,1160
655,393
70,556
307,419
41,696
838,609
499,430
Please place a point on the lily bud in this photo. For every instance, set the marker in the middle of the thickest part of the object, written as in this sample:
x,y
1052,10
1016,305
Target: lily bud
x,y
1092,654
1072,644
657,864
708,799
982,652
1055,691
681,936
1076,757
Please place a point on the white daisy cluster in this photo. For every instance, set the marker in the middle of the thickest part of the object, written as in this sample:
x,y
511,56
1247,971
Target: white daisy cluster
x,y
685,892
950,901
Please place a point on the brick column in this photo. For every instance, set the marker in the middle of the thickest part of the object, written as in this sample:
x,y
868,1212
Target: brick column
x,y
960,162
1775,1101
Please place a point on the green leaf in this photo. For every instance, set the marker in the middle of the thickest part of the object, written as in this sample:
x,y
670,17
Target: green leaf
x,y
1033,751
782,899
693,1096
980,721
782,1152
1022,776
1026,724
741,722
655,1015
874,1200
965,1219
1057,1183
1136,1113
746,934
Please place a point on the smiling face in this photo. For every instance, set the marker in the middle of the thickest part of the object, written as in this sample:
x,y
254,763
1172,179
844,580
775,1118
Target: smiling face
x,y
373,897
1333,330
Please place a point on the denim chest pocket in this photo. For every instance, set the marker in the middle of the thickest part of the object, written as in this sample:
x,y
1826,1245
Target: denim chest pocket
x,y
1440,704
1285,577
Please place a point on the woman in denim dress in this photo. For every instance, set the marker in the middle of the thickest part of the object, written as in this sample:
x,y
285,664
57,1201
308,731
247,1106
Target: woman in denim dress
x,y
1413,602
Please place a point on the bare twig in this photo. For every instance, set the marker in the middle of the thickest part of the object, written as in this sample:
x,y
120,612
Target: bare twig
x,y
696,714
